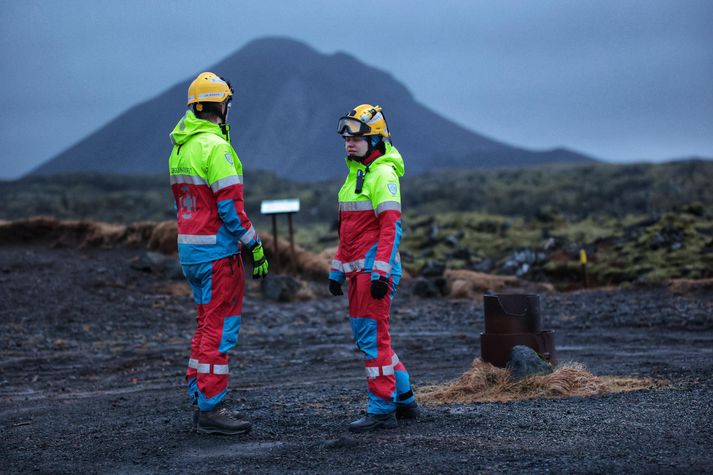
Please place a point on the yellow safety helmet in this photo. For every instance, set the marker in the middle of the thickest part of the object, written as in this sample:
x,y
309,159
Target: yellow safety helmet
x,y
364,119
208,87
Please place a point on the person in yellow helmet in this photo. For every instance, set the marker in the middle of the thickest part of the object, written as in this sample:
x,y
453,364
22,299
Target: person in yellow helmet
x,y
368,258
207,184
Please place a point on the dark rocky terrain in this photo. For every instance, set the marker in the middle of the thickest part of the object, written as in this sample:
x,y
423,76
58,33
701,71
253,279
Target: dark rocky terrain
x,y
93,354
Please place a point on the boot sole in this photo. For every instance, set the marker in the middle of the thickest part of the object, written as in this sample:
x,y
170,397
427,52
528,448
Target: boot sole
x,y
211,430
407,415
383,425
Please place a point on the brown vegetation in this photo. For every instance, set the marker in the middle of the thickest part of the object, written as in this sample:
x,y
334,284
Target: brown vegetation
x,y
470,284
484,382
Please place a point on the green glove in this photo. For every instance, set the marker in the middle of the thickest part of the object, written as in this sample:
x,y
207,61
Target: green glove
x,y
259,262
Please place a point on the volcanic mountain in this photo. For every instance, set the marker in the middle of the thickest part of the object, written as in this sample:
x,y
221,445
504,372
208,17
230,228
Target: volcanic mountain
x,y
287,100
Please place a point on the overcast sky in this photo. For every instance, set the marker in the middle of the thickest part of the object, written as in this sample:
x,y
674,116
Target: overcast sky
x,y
620,80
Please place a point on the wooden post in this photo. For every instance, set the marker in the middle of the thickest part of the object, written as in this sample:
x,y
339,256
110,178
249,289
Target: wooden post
x,y
292,242
276,256
583,262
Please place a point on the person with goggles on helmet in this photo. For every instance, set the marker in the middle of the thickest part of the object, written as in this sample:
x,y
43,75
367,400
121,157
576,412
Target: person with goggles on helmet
x,y
207,184
368,258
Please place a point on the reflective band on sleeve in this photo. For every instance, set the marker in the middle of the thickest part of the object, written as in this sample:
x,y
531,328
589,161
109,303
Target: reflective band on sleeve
x,y
354,266
249,236
372,372
226,182
387,370
355,206
189,179
193,363
220,369
382,266
197,239
203,368
337,265
388,206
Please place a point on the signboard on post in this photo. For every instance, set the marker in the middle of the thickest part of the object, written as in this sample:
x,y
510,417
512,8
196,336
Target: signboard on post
x,y
280,206
275,207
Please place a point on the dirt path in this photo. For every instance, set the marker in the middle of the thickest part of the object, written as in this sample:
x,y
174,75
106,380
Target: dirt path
x,y
93,355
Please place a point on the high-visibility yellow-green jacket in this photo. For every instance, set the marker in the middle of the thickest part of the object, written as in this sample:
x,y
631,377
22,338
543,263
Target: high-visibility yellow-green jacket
x,y
207,185
370,218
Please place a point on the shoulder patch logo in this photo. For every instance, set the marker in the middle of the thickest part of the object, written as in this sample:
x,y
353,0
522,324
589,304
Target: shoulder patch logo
x,y
393,188
229,157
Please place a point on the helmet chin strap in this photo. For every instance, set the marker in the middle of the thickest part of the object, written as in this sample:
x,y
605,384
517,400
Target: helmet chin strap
x,y
227,111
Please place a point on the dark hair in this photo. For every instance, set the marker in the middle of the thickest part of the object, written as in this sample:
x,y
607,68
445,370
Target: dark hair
x,y
210,109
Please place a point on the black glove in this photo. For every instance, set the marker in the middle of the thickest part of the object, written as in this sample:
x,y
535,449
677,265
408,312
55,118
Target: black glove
x,y
335,288
379,288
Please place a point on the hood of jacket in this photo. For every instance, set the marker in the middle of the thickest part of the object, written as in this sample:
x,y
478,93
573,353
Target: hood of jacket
x,y
190,125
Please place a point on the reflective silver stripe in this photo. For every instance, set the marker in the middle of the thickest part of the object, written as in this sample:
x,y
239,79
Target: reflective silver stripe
x,y
210,94
398,257
355,206
337,265
388,206
388,370
190,179
354,266
382,266
220,369
226,182
248,236
197,239
193,363
190,98
203,368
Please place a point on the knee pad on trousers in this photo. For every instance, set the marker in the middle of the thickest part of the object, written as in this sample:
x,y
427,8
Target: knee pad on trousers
x,y
364,331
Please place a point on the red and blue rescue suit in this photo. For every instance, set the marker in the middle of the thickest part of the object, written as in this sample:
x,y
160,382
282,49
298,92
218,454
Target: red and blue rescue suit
x,y
369,236
207,185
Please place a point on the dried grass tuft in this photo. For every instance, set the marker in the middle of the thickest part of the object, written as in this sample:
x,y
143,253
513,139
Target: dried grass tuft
x,y
484,382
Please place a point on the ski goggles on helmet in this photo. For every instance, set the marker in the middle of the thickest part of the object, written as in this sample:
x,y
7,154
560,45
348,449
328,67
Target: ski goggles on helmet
x,y
349,126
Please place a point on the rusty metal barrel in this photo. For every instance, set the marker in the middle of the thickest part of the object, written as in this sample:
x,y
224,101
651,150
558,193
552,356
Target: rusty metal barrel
x,y
511,320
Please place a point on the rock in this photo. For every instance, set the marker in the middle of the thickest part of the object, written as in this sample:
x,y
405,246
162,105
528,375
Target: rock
x,y
157,263
486,265
433,232
433,269
280,288
342,442
452,240
550,244
426,288
524,361
461,253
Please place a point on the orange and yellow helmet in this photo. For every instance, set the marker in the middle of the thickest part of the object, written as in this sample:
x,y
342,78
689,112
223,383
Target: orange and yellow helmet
x,y
208,87
364,119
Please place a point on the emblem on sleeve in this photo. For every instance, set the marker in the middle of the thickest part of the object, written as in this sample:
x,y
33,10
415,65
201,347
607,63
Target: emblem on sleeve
x,y
393,188
229,157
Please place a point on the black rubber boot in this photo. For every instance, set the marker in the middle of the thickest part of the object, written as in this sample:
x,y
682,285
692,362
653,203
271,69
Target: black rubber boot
x,y
408,411
221,420
374,422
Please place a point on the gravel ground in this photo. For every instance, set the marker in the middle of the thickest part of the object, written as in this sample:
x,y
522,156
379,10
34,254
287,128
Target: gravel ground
x,y
93,356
